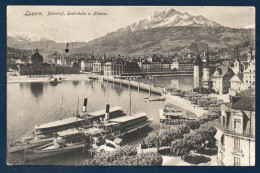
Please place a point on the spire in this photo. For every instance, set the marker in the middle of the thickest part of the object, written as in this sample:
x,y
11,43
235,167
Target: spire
x,y
197,60
207,55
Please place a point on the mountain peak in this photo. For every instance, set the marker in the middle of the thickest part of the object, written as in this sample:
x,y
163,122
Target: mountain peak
x,y
171,17
25,37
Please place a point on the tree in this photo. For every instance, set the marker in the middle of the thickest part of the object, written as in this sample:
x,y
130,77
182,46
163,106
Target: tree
x,y
180,147
193,124
107,159
182,93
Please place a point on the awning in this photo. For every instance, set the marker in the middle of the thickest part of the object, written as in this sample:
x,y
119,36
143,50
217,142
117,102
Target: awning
x,y
218,134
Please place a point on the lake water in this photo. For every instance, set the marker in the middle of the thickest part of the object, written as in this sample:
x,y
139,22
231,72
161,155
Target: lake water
x,y
30,104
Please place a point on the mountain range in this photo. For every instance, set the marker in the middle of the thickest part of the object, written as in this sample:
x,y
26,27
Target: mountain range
x,y
163,32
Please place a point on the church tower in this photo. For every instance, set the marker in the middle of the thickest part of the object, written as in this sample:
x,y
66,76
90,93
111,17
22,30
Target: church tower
x,y
206,82
237,65
197,64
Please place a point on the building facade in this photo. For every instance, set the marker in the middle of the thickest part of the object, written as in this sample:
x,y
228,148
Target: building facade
x,y
236,133
98,67
113,68
236,84
197,64
38,67
249,75
221,79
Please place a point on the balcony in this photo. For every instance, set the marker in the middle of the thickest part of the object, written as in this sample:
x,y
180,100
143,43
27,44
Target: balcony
x,y
227,130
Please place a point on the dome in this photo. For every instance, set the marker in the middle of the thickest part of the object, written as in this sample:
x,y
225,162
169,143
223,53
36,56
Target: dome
x,y
36,58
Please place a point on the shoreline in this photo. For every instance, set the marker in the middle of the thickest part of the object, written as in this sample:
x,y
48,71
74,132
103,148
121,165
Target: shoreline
x,y
25,79
186,105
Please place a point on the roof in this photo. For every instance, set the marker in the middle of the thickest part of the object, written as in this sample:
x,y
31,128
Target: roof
x,y
118,140
59,123
237,78
245,103
222,71
102,112
93,130
68,132
129,117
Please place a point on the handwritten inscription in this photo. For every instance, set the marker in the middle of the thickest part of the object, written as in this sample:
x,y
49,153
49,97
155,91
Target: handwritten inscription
x,y
64,13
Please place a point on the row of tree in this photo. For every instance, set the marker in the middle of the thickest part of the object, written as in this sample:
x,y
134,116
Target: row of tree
x,y
194,141
203,100
124,156
177,135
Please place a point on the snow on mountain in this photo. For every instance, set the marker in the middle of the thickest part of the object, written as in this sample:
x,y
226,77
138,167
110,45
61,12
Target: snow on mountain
x,y
252,26
168,18
26,38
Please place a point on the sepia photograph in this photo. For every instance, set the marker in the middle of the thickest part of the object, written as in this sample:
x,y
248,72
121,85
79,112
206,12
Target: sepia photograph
x,y
130,85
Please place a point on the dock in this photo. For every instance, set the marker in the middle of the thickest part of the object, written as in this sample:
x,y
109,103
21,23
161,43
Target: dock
x,y
138,85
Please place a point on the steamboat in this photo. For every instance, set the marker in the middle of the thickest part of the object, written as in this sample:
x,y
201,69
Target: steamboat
x,y
44,133
84,138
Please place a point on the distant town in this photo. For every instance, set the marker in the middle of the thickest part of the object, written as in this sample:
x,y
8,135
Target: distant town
x,y
191,107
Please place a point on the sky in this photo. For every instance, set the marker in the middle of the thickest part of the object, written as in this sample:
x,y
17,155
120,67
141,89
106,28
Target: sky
x,y
88,27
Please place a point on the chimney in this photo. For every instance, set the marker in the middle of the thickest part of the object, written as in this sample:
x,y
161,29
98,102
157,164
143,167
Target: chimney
x,y
107,112
85,105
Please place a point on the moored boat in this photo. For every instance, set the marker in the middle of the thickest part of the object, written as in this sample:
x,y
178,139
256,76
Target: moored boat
x,y
44,133
54,80
83,119
22,145
66,141
155,99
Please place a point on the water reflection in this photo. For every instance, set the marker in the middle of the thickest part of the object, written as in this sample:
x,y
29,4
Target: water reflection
x,y
37,90
118,90
53,84
48,106
75,83
21,85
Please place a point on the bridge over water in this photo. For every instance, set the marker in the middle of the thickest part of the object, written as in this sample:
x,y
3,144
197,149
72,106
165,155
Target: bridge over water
x,y
138,85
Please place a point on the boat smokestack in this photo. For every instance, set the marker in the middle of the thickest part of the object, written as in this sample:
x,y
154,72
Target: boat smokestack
x,y
85,105
107,112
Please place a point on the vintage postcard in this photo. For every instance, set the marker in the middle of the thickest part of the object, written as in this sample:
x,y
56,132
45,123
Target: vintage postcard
x,y
131,85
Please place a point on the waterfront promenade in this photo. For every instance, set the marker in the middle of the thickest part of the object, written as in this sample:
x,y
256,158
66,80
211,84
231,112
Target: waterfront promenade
x,y
135,84
185,104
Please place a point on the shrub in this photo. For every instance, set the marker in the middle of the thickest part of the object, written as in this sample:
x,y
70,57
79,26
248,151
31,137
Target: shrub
x,y
145,159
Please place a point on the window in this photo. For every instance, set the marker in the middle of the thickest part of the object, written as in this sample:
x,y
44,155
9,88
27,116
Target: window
x,y
236,143
236,161
237,124
222,140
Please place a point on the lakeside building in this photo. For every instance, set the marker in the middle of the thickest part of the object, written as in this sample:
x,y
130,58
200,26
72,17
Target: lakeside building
x,y
113,68
236,132
38,67
154,64
221,79
227,76
236,84
131,67
185,65
98,67
63,61
86,64
249,75
174,65
197,73
206,78
245,74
